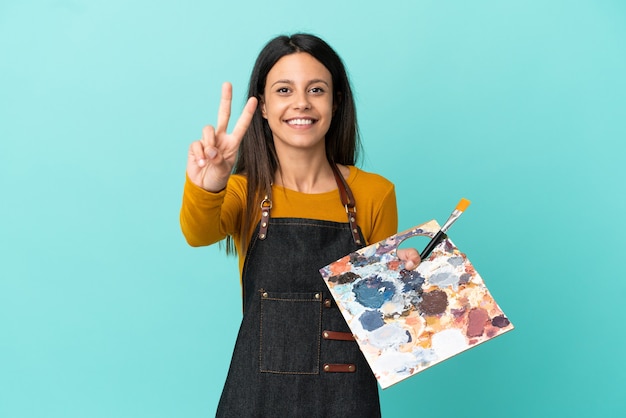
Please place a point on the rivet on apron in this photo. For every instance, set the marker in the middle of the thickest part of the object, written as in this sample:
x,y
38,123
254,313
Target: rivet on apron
x,y
326,368
327,303
264,294
317,296
325,334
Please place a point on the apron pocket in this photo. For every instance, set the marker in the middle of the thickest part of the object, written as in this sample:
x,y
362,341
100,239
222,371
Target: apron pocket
x,y
290,332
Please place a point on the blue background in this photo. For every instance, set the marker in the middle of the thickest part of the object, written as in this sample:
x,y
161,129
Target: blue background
x,y
518,106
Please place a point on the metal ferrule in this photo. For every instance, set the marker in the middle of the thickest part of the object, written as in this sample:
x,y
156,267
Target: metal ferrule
x,y
453,217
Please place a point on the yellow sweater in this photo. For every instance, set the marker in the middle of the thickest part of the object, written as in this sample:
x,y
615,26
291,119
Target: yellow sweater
x,y
207,218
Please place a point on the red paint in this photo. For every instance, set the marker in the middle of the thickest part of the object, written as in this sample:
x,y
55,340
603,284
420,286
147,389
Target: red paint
x,y
477,319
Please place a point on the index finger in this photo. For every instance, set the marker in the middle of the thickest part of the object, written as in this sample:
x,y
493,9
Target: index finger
x,y
245,119
223,113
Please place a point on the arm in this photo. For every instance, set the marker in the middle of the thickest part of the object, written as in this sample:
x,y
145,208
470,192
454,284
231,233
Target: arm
x,y
385,219
209,211
200,215
386,224
207,217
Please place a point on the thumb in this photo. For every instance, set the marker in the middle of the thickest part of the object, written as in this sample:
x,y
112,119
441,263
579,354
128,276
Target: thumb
x,y
210,153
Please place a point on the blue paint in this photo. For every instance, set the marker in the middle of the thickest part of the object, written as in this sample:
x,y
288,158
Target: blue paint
x,y
465,278
372,292
444,279
455,261
413,281
386,246
371,320
358,260
424,356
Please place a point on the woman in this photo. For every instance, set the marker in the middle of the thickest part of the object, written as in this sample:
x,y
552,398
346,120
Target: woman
x,y
289,209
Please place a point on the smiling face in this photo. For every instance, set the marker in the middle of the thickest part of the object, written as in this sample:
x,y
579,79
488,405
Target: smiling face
x,y
298,103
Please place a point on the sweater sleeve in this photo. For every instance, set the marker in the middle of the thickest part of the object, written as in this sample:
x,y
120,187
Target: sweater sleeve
x,y
205,217
385,220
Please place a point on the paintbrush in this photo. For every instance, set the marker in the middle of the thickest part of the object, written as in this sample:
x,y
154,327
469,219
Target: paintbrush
x,y
441,235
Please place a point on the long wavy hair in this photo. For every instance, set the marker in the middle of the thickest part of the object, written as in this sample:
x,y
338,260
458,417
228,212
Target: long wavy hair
x,y
257,158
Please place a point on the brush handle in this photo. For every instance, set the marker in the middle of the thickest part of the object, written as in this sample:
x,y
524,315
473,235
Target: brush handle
x,y
440,236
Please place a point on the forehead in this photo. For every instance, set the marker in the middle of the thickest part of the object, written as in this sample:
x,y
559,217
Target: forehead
x,y
298,67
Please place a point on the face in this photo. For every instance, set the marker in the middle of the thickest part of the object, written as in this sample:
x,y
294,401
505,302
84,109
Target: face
x,y
298,103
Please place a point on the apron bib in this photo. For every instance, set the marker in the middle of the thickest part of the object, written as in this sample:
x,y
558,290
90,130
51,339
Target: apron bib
x,y
295,355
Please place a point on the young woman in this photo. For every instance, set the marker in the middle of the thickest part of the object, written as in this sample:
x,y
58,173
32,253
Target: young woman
x,y
284,191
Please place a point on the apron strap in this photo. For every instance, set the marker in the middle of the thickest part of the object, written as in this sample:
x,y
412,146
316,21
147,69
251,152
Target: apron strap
x,y
266,205
347,200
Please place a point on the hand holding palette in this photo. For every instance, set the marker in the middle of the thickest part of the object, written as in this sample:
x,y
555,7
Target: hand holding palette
x,y
407,321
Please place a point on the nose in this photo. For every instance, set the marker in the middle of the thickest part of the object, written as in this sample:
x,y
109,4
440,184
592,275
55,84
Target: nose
x,y
301,101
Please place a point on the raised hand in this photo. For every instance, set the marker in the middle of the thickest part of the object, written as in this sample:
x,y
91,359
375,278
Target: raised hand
x,y
211,159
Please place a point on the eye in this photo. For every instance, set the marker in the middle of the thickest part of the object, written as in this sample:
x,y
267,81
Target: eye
x,y
282,90
317,90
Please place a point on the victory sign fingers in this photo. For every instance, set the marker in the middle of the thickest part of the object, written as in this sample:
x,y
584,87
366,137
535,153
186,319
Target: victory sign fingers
x,y
211,159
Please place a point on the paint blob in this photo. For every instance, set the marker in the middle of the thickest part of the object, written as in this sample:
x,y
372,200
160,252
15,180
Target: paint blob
x,y
500,321
448,342
433,303
477,319
444,278
344,278
371,320
413,281
455,261
373,292
389,335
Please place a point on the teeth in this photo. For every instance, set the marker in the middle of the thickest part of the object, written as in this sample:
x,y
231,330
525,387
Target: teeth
x,y
300,122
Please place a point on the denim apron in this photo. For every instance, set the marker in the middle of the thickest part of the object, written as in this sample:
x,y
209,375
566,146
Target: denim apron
x,y
295,355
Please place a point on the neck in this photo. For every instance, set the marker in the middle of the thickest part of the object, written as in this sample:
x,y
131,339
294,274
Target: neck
x,y
306,174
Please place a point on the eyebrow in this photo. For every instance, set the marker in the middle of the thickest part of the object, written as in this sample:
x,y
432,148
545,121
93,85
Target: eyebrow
x,y
316,80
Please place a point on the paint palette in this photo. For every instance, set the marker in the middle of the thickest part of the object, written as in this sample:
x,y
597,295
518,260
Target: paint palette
x,y
407,321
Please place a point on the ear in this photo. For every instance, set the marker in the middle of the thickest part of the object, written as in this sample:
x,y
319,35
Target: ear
x,y
262,107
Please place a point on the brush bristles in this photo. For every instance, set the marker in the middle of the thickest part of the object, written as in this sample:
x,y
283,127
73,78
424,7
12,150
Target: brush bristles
x,y
462,205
